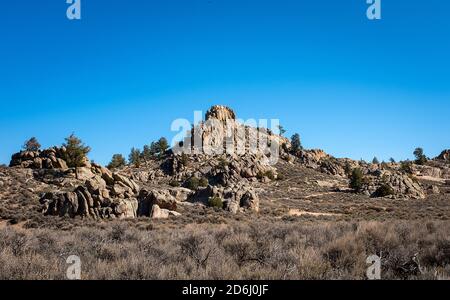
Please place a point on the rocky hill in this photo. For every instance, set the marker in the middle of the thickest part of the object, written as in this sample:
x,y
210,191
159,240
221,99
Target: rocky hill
x,y
233,178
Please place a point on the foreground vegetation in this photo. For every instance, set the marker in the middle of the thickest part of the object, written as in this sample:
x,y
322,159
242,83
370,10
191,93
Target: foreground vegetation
x,y
298,250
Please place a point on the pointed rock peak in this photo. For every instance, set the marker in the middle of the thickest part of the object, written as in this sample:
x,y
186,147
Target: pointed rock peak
x,y
221,113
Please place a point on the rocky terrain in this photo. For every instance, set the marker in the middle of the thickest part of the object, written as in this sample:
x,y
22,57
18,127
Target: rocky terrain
x,y
240,185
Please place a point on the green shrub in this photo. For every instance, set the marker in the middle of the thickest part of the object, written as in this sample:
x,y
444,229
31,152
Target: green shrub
x,y
203,182
193,183
223,163
184,159
215,202
357,179
406,167
269,174
174,183
384,190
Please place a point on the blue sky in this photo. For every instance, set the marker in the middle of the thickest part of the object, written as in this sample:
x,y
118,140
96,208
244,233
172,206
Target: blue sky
x,y
121,75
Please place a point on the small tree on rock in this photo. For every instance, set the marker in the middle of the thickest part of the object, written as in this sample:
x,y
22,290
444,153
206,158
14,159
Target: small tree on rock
x,y
421,158
32,145
163,145
76,152
281,130
296,143
375,161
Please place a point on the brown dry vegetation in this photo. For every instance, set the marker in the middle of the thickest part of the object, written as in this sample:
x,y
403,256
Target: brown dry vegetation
x,y
296,250
330,241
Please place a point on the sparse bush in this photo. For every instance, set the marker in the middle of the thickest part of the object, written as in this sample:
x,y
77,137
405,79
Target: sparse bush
x,y
32,145
203,182
223,163
117,161
357,179
406,167
215,202
184,160
269,174
193,183
348,169
384,190
174,183
76,152
375,161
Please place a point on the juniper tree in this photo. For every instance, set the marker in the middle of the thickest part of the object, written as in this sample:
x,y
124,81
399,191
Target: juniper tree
x,y
76,151
117,161
357,179
421,158
296,143
135,157
31,145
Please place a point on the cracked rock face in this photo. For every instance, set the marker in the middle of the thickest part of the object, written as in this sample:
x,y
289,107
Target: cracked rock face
x,y
445,155
103,195
221,113
401,185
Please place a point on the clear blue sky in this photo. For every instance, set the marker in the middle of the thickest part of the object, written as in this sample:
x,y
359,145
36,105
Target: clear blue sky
x,y
122,74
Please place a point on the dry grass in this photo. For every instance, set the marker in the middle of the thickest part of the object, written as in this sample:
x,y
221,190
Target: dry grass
x,y
298,250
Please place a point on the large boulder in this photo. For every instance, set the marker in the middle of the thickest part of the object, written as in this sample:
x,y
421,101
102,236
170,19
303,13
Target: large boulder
x,y
398,184
445,155
221,113
161,213
236,197
162,198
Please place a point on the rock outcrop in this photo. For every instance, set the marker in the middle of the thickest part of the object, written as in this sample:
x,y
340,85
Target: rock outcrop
x,y
103,195
445,156
395,185
52,158
236,197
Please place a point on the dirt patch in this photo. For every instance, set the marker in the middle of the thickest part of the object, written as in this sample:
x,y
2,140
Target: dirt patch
x,y
299,213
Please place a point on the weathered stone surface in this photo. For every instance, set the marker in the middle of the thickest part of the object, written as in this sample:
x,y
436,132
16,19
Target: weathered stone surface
x,y
235,197
403,186
445,155
162,198
221,113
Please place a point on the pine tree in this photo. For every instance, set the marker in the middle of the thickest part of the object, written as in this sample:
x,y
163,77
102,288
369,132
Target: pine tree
x,y
296,143
375,161
357,179
421,158
76,152
135,157
117,161
31,145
